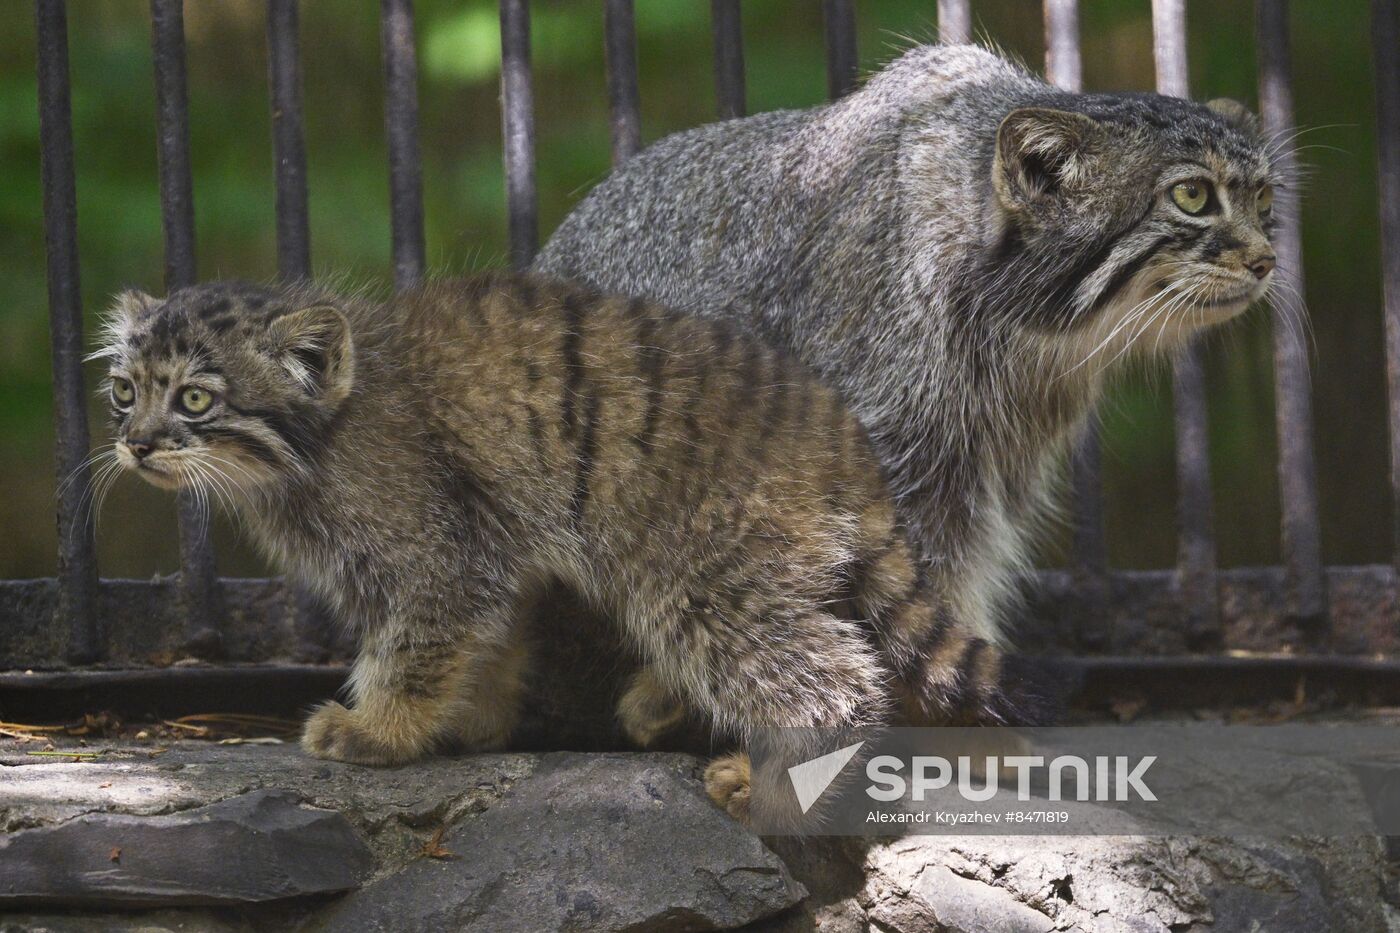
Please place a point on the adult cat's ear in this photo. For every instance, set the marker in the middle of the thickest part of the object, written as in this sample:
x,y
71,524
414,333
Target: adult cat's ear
x,y
1040,152
1236,114
315,346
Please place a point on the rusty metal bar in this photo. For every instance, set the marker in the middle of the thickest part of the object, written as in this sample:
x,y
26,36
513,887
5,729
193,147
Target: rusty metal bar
x,y
1385,38
727,21
1196,555
401,129
954,22
198,579
293,216
1063,63
1297,468
518,132
173,139
288,140
1169,47
842,60
624,100
76,610
1089,546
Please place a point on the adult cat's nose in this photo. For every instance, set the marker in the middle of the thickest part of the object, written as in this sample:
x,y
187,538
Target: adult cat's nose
x,y
1263,266
139,447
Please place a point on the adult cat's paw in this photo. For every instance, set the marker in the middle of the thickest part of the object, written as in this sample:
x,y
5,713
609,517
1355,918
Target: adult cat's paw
x,y
727,782
646,711
341,734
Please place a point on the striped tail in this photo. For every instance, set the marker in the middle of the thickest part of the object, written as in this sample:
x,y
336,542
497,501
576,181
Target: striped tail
x,y
951,677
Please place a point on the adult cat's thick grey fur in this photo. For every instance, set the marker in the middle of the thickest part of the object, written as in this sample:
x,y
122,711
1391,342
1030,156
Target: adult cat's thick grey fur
x,y
882,239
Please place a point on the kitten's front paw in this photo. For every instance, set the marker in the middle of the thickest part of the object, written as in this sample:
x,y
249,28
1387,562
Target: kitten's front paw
x,y
727,783
341,734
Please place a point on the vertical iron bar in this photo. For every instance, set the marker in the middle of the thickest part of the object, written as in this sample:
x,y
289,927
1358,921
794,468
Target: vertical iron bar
x,y
198,578
1196,556
624,101
401,128
954,22
1385,38
518,132
842,61
288,141
727,21
1064,69
1302,548
1063,64
293,226
77,558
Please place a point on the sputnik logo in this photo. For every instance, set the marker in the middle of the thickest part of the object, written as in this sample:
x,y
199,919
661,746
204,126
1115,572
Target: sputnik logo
x,y
811,778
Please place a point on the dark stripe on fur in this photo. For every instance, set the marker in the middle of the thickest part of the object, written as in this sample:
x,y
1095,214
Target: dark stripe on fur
x,y
1081,270
651,361
573,364
255,446
1127,270
296,432
587,449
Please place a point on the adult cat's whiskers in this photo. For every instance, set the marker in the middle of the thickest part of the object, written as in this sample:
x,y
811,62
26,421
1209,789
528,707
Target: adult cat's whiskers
x,y
1128,318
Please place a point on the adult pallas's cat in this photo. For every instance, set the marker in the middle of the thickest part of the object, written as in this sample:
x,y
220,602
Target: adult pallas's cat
x,y
429,464
963,252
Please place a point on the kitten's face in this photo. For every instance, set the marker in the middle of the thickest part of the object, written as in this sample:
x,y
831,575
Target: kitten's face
x,y
222,388
1152,216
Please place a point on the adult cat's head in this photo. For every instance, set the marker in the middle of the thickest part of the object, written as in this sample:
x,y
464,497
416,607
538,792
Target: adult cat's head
x,y
1124,218
223,386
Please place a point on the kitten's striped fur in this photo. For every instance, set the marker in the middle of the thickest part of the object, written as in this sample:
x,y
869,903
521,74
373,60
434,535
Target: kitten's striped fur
x,y
430,464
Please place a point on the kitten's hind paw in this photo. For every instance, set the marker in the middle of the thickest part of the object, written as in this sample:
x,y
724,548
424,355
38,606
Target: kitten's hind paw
x,y
727,782
342,734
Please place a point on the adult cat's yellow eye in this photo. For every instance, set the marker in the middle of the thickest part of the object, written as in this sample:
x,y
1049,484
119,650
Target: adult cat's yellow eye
x,y
1266,201
195,400
1191,196
123,392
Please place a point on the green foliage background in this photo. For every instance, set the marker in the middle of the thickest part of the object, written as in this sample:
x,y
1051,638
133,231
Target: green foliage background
x,y
120,236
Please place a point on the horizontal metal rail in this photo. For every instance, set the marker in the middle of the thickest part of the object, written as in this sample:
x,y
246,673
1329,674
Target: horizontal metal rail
x,y
144,624
1119,686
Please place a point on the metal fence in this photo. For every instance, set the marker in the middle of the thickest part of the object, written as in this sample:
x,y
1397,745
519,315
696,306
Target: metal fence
x,y
1251,631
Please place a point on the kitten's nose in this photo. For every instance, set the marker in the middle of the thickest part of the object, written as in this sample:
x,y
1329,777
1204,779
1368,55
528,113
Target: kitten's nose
x,y
139,447
1263,266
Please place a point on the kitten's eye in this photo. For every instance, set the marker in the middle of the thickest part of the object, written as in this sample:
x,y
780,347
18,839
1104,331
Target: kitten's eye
x,y
196,401
1191,196
1266,201
123,392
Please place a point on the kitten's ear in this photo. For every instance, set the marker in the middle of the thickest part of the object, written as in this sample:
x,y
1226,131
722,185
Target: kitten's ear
x,y
126,310
315,346
1236,114
130,305
1039,152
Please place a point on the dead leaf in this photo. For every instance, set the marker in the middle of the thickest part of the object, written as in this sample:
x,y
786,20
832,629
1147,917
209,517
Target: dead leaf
x,y
1127,708
105,784
115,855
434,848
